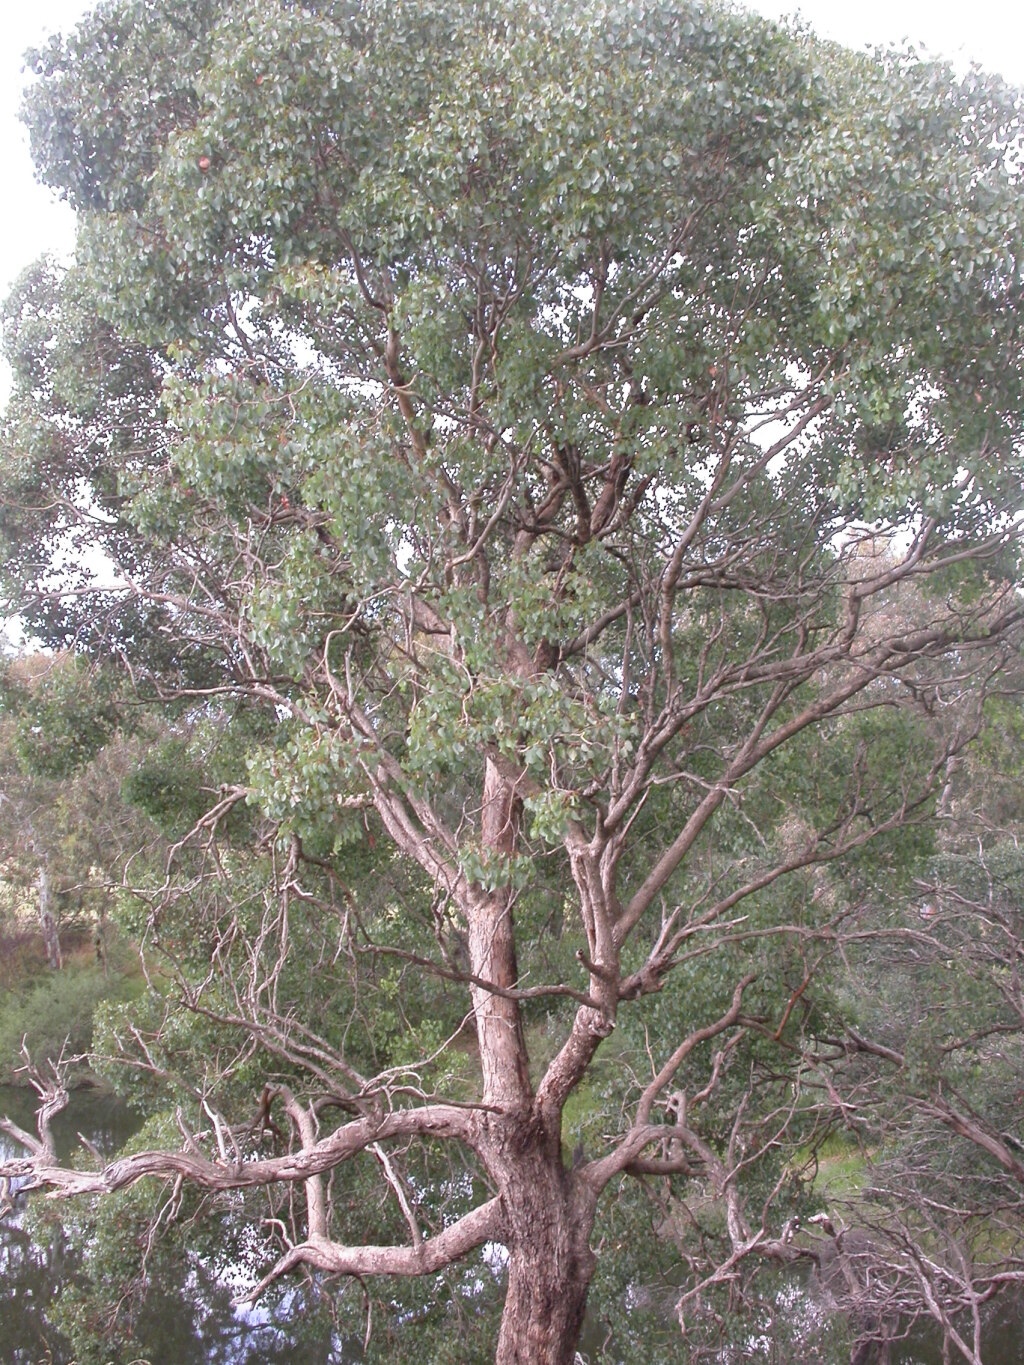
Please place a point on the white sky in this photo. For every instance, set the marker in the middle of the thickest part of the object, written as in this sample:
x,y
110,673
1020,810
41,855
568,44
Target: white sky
x,y
990,32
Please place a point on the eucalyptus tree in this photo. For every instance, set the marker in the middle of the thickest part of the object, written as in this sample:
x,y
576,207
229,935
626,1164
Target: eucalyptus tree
x,y
50,726
932,1047
530,421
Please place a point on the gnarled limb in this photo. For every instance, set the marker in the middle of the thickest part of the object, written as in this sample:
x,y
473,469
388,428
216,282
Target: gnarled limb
x,y
644,1132
483,1224
53,1097
41,1171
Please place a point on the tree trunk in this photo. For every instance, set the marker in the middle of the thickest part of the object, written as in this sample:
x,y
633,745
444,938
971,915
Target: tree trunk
x,y
48,922
543,1315
549,1216
548,1212
492,955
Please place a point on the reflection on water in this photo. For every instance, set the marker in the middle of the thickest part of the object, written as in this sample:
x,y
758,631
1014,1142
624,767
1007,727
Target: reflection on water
x,y
188,1317
94,1113
34,1270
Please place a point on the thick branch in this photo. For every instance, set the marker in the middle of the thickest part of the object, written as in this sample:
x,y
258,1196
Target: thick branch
x,y
443,1121
484,1224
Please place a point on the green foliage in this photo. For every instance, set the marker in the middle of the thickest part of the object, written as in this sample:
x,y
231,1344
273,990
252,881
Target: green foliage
x,y
53,1014
167,786
418,375
63,719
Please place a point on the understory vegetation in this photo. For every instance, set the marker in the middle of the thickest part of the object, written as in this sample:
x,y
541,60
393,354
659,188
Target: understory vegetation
x,y
515,513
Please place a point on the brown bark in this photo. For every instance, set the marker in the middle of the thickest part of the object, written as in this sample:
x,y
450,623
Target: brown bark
x,y
548,1214
548,1281
438,1121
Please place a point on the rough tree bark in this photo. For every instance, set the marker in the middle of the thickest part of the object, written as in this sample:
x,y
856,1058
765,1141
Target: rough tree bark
x,y
492,954
549,1216
548,1213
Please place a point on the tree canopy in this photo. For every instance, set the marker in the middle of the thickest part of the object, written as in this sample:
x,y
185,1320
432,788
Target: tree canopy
x,y
559,469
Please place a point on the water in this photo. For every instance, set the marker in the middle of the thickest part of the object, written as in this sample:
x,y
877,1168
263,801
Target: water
x,y
190,1320
33,1272
188,1316
94,1112
1002,1341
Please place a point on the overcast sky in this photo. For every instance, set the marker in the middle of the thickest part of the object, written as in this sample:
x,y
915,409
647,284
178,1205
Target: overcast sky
x,y
990,32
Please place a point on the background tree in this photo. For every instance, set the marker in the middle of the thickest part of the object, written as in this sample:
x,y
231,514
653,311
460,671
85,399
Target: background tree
x,y
54,719
66,836
520,428
930,1059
